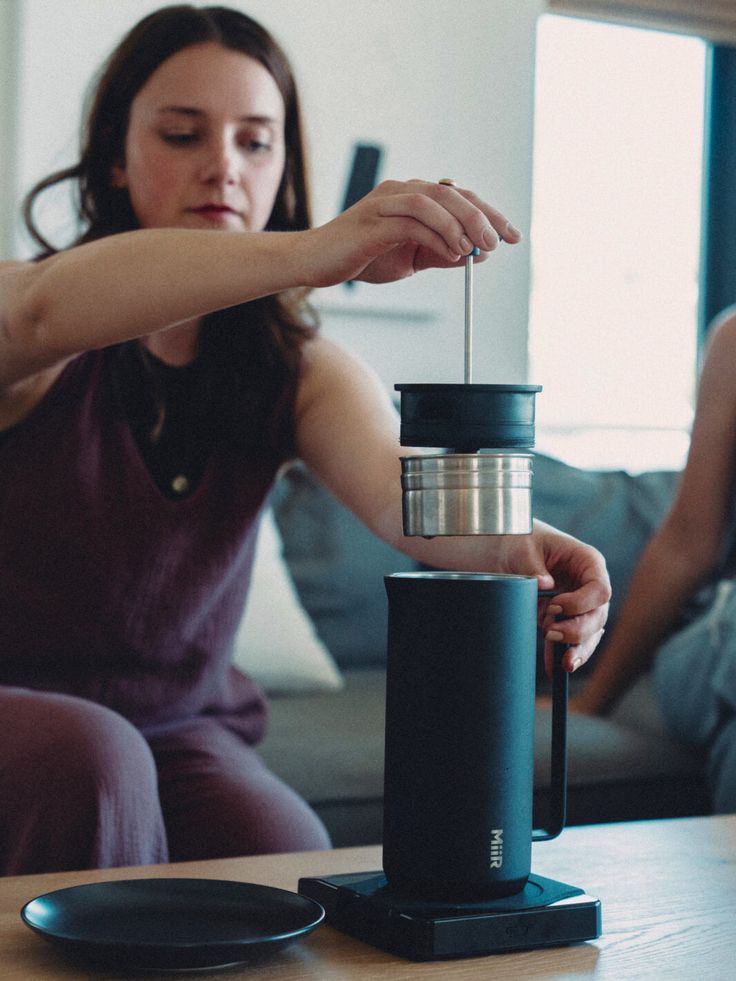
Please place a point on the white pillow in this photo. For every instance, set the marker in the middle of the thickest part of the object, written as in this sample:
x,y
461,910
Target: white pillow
x,y
276,643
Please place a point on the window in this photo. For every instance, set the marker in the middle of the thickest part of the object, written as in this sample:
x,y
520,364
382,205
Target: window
x,y
618,145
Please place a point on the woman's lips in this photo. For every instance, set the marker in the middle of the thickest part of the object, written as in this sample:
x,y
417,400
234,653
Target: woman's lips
x,y
216,212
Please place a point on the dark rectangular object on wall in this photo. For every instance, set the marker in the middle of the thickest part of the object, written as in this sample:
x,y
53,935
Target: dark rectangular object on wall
x,y
363,172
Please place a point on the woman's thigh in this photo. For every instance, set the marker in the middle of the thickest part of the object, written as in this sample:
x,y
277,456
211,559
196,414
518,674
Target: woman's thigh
x,y
219,798
695,679
694,672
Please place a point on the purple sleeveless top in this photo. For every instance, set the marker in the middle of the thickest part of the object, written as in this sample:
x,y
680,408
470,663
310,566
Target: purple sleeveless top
x,y
108,589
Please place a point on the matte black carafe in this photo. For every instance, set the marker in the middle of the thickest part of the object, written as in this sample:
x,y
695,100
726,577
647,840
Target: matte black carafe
x,y
459,755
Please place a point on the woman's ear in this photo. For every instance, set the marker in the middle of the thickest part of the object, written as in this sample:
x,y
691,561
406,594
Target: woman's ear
x,y
118,175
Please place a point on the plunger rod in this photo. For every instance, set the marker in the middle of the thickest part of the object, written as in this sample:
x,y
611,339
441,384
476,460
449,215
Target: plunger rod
x,y
469,315
468,364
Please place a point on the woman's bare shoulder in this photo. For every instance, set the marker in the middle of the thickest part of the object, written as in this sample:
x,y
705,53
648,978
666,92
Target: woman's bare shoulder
x,y
10,269
719,362
15,277
320,350
327,361
336,379
723,328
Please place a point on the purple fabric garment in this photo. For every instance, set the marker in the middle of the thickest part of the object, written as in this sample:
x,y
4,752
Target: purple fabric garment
x,y
81,788
109,590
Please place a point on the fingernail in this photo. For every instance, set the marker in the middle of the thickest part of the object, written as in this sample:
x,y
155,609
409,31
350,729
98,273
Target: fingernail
x,y
510,228
490,239
466,245
555,636
554,610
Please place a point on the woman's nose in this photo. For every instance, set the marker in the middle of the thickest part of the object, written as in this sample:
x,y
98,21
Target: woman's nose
x,y
221,163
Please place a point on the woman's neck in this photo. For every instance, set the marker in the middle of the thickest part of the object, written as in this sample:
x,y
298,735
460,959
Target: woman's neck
x,y
176,346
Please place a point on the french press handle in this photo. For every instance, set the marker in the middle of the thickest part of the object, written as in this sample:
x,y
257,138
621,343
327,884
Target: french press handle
x,y
558,775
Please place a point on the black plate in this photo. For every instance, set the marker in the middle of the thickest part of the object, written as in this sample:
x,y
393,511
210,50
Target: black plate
x,y
165,924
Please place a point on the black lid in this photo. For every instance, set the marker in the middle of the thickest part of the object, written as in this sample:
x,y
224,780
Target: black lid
x,y
468,417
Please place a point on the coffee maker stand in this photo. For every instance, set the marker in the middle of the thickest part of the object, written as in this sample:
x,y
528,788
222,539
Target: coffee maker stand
x,y
546,913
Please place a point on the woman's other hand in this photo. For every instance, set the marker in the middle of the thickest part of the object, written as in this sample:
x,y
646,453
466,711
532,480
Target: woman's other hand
x,y
577,614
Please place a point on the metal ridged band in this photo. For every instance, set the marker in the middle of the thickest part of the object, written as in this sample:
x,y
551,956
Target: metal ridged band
x,y
467,494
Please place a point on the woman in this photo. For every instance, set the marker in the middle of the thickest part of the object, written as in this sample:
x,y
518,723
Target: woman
x,y
154,377
693,659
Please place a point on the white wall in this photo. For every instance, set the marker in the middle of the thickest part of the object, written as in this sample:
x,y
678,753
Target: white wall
x,y
9,17
446,86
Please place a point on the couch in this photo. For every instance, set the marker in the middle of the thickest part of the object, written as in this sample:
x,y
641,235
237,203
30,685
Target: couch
x,y
325,734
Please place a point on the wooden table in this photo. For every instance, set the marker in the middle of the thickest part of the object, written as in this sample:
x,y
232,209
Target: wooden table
x,y
667,888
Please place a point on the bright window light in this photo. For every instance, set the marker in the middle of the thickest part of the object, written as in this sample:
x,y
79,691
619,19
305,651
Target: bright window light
x,y
615,242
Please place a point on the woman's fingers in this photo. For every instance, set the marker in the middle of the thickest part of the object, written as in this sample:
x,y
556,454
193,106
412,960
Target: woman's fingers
x,y
573,627
574,657
403,227
423,209
577,620
458,216
501,227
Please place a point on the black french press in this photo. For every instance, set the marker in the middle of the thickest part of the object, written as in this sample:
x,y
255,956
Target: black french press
x,y
461,672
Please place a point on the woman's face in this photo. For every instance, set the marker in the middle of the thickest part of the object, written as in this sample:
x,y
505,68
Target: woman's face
x,y
205,143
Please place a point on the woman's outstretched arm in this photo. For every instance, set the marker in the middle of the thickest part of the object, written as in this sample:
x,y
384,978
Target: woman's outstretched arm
x,y
136,283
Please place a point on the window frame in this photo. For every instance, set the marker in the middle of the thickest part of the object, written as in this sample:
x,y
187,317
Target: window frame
x,y
718,219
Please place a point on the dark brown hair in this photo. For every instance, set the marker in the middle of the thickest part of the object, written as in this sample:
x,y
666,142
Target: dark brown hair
x,y
104,210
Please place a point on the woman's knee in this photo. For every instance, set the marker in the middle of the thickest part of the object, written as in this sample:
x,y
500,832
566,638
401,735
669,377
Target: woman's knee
x,y
71,742
219,798
80,782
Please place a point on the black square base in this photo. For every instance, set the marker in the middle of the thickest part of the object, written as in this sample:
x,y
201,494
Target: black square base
x,y
546,913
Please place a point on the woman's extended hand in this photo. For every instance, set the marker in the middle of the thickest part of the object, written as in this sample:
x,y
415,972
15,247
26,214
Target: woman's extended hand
x,y
576,616
402,227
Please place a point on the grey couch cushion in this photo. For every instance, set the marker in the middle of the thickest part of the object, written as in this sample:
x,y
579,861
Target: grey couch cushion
x,y
330,744
613,510
329,747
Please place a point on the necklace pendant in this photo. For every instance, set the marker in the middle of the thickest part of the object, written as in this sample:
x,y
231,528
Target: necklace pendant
x,y
180,484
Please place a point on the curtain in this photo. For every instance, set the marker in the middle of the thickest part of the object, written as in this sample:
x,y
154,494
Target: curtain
x,y
713,20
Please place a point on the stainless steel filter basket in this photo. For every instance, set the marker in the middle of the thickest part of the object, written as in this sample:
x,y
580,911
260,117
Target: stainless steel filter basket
x,y
467,494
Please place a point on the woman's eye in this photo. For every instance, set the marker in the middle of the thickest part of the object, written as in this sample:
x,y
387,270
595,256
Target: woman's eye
x,y
180,139
256,144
